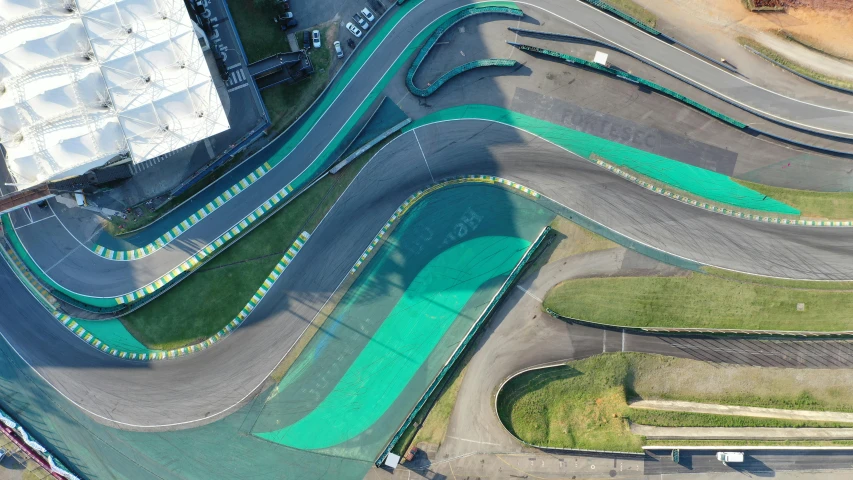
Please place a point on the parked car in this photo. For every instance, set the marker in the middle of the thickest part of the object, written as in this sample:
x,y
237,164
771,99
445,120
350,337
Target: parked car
x,y
338,50
288,25
3,453
367,14
283,18
306,39
315,38
361,22
353,30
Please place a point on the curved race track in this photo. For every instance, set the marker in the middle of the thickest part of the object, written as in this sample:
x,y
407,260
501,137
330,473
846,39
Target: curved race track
x,y
71,264
209,384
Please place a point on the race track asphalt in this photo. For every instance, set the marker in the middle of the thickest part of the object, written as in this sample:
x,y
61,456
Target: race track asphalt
x,y
70,263
203,386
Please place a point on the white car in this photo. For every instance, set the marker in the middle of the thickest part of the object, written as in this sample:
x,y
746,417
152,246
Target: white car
x,y
338,50
368,14
315,38
353,30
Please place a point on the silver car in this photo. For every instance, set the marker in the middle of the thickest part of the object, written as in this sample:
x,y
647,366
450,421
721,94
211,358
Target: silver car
x,y
338,50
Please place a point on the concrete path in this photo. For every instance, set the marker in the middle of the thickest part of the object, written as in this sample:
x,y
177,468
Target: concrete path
x,y
745,433
695,407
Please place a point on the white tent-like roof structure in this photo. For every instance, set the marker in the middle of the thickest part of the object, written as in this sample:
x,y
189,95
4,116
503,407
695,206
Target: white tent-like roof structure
x,y
82,81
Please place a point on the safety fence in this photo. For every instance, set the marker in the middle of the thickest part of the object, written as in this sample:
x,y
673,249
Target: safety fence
x,y
492,62
624,16
719,208
73,324
20,437
675,331
631,78
465,341
433,39
409,203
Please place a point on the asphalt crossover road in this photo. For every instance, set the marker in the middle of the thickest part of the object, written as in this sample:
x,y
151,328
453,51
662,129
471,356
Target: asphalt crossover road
x,y
69,262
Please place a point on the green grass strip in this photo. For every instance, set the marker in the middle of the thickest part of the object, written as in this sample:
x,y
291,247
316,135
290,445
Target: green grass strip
x,y
811,204
704,183
701,301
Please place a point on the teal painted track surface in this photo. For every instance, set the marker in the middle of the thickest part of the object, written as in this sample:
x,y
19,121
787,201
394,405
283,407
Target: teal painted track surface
x,y
705,183
401,320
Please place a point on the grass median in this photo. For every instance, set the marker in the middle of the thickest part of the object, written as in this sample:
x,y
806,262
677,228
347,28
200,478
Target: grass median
x,y
795,66
635,10
584,404
202,304
697,300
286,102
811,204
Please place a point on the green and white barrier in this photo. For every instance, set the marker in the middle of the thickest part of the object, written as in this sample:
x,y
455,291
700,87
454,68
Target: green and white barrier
x,y
631,78
72,324
402,209
186,224
717,208
433,39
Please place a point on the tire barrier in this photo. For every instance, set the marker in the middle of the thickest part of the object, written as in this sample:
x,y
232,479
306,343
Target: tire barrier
x,y
433,39
465,341
410,202
73,324
19,435
718,208
633,79
788,69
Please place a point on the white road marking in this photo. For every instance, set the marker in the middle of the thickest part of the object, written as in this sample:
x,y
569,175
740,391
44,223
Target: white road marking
x,y
33,223
748,107
604,341
527,292
623,339
238,88
473,441
423,155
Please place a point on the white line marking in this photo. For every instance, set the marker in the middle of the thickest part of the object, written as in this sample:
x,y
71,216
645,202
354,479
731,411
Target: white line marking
x,y
37,221
527,292
69,231
604,341
623,339
27,213
238,88
473,441
613,229
424,155
748,107
232,67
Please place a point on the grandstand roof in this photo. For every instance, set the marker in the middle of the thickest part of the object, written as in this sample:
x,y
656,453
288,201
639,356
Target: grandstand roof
x,y
82,81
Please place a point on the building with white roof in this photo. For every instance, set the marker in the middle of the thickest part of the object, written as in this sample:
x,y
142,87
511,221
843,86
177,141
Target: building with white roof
x,y
86,82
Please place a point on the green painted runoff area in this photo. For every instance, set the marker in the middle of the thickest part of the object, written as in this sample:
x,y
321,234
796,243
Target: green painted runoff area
x,y
704,183
403,317
221,449
403,342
